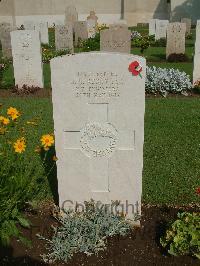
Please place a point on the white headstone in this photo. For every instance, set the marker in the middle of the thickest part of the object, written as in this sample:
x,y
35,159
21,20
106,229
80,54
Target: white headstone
x,y
196,72
27,61
81,31
152,27
71,15
29,25
116,39
99,127
42,27
175,38
188,23
161,29
5,30
91,26
64,37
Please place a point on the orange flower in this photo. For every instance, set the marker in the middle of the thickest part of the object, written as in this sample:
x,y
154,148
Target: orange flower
x,y
20,145
47,141
13,113
5,121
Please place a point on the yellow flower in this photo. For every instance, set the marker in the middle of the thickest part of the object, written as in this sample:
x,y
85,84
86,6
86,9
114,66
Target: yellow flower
x,y
2,131
13,113
47,141
5,121
20,145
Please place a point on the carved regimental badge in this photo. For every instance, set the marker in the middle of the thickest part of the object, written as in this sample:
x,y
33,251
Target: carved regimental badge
x,y
98,139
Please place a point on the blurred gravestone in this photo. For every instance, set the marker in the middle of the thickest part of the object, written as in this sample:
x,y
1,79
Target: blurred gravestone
x,y
99,104
29,25
81,31
27,60
188,23
152,27
5,30
161,29
175,38
64,37
42,27
115,40
71,15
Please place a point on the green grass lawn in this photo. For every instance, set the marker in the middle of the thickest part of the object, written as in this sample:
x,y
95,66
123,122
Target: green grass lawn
x,y
171,151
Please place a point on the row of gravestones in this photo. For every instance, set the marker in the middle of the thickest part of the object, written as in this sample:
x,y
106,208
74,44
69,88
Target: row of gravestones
x,y
115,39
25,48
159,27
174,32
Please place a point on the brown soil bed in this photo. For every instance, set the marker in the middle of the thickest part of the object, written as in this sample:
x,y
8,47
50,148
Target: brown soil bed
x,y
140,247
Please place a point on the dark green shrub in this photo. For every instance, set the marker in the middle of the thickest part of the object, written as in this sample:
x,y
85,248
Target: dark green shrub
x,y
92,44
143,43
159,43
183,236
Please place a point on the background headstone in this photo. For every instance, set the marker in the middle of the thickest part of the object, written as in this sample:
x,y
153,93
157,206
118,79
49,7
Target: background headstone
x,y
91,26
152,27
175,38
29,25
81,31
5,30
42,27
27,60
161,29
188,23
196,72
64,37
93,16
99,128
115,40
71,15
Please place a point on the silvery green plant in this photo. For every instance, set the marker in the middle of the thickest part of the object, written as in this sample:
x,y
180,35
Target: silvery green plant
x,y
163,81
85,232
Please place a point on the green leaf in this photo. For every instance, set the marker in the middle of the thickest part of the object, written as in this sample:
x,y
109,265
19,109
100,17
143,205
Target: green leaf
x,y
23,222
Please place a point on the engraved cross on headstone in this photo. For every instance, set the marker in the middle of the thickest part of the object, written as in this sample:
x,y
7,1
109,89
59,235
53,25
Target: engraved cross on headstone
x,y
105,146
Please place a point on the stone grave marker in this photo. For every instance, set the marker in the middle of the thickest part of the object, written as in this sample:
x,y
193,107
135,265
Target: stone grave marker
x,y
196,71
81,31
64,37
27,60
152,27
175,38
161,29
91,26
188,23
5,30
29,25
99,128
71,15
93,16
42,27
115,40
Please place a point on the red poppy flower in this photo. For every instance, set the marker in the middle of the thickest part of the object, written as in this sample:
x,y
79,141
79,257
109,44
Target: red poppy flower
x,y
135,68
198,191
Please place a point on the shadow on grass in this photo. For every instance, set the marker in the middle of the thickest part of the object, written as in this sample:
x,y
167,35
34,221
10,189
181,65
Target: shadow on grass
x,y
48,157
